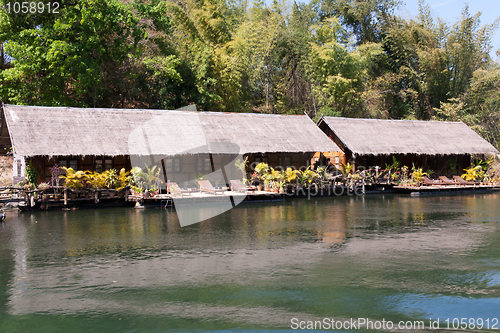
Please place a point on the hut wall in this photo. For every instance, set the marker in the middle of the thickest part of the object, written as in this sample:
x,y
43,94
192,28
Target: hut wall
x,y
439,164
279,160
186,169
334,158
182,169
7,167
43,164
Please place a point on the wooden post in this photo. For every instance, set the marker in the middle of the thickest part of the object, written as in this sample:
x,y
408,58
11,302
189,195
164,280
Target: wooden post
x,y
226,179
164,174
65,196
211,161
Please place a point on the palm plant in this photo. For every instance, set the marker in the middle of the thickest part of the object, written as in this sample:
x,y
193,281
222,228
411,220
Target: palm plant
x,y
135,180
242,166
346,169
110,178
146,179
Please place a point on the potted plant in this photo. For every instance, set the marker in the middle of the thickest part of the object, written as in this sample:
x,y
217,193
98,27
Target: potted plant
x,y
73,179
274,177
307,176
94,179
122,181
55,172
474,172
256,181
281,186
138,191
153,190
290,177
261,170
110,179
418,175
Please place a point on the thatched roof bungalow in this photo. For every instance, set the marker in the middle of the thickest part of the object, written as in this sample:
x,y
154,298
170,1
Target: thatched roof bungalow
x,y
430,144
97,139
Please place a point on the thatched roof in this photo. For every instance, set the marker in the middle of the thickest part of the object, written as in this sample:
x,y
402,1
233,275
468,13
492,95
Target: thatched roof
x,y
385,137
74,131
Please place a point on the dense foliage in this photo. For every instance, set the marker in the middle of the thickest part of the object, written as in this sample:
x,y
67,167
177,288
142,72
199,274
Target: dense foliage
x,y
353,58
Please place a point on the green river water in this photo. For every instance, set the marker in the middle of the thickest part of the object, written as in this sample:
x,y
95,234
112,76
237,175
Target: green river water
x,y
259,267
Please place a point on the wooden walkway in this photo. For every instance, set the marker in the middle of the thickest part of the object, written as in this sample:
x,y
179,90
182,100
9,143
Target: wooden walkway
x,y
167,200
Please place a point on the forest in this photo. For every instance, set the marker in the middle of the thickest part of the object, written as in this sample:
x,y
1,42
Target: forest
x,y
350,58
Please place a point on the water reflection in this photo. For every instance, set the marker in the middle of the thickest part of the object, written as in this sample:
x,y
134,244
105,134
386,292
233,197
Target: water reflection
x,y
257,265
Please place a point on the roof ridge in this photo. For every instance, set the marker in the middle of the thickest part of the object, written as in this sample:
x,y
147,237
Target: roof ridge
x,y
75,108
397,120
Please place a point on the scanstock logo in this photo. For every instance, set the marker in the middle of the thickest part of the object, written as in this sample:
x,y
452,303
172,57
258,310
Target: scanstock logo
x,y
148,143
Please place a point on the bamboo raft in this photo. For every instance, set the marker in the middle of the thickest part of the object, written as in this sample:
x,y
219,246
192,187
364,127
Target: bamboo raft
x,y
66,198
445,188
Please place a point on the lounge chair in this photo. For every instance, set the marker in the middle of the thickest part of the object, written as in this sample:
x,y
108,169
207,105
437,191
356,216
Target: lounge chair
x,y
206,186
462,181
238,186
428,181
447,181
175,189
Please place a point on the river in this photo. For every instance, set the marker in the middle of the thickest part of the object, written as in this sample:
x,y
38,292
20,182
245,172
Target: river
x,y
256,268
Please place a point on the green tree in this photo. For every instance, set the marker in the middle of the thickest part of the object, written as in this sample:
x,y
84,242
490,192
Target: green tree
x,y
432,62
478,107
74,58
367,19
